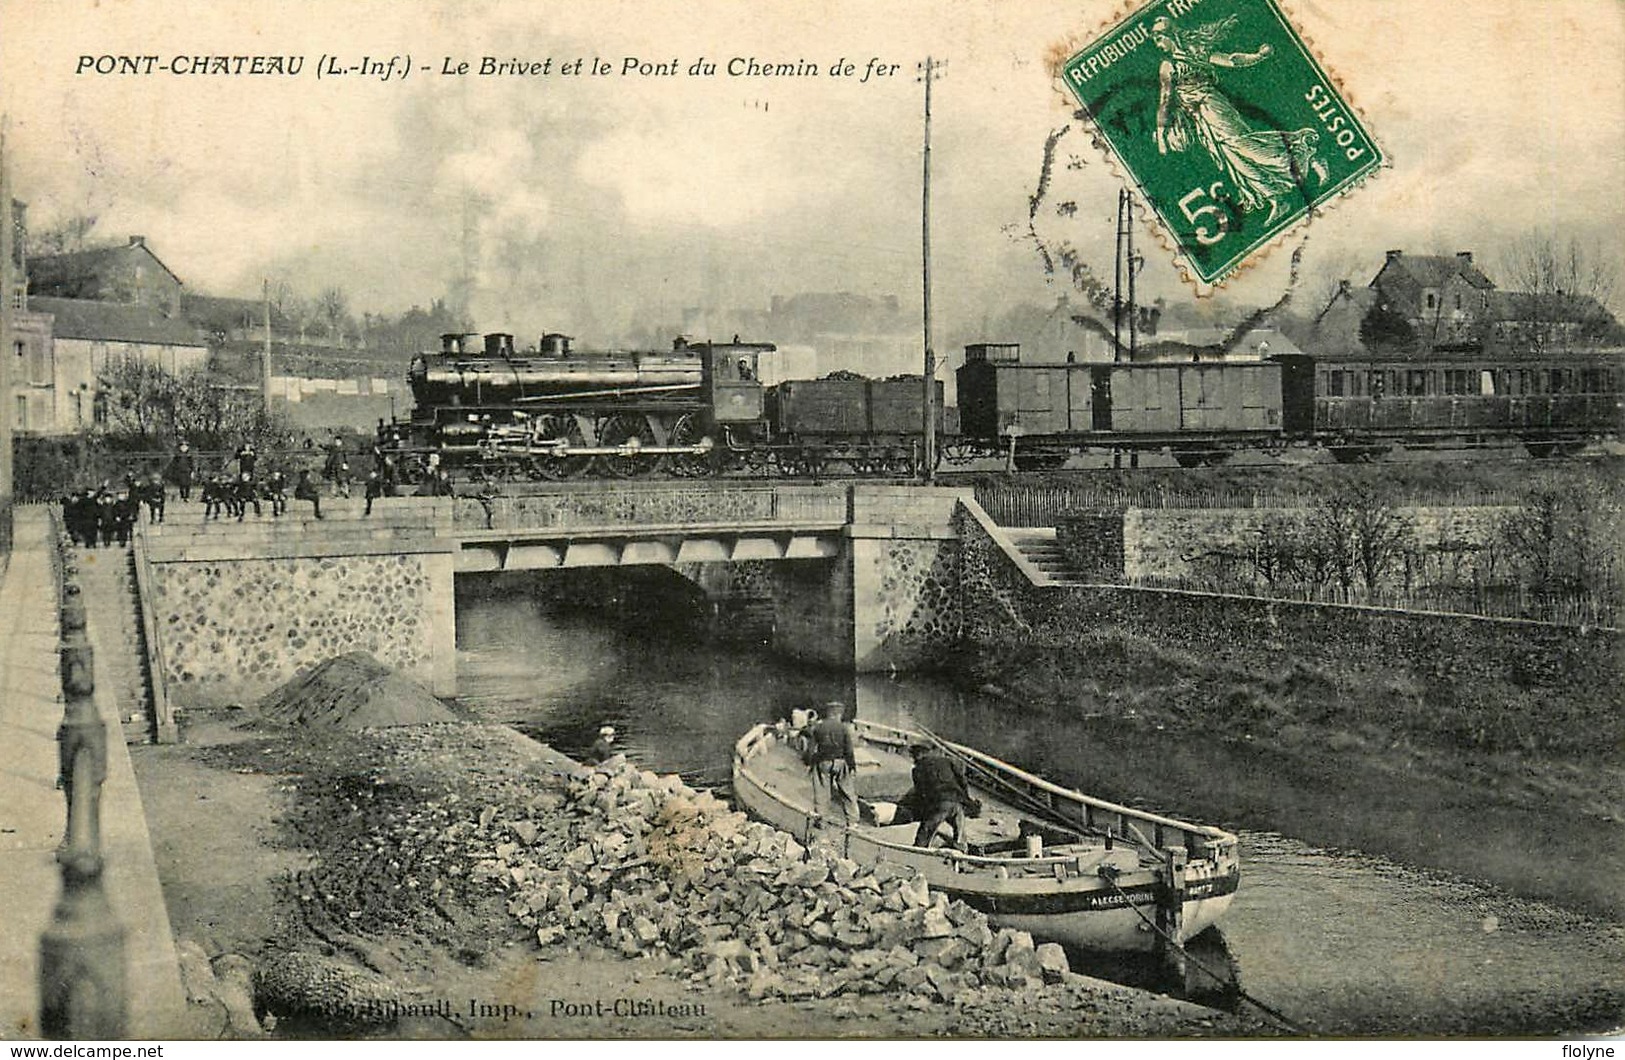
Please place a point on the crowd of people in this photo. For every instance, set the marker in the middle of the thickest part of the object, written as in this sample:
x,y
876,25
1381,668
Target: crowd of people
x,y
105,515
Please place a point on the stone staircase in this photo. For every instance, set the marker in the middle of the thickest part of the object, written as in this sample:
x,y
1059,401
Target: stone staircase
x,y
112,611
1039,548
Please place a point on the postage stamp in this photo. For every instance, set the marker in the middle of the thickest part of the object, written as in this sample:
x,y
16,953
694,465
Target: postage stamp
x,y
1225,122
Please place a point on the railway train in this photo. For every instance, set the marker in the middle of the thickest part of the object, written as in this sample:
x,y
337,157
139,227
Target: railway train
x,y
702,408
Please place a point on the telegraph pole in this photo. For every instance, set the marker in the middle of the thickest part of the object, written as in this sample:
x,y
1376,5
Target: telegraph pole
x,y
928,427
1128,264
8,284
1117,285
265,354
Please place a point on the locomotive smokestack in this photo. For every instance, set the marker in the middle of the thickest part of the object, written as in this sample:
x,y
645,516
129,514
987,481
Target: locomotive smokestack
x,y
499,344
554,344
451,342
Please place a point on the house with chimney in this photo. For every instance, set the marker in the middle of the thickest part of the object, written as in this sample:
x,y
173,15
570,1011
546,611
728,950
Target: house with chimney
x,y
84,312
1445,299
130,274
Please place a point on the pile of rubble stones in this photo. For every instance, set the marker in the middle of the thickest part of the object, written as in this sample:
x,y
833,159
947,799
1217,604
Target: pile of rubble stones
x,y
645,865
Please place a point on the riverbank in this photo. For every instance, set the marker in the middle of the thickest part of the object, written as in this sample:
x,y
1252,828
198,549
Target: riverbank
x,y
491,888
1547,811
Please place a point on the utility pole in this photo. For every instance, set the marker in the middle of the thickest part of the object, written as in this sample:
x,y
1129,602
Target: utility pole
x,y
1133,267
265,355
8,284
928,428
1117,285
1128,264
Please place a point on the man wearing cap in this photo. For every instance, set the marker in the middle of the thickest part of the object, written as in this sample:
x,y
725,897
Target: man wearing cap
x,y
939,794
833,762
603,748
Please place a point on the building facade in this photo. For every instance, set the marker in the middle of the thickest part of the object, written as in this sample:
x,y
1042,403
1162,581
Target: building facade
x,y
79,341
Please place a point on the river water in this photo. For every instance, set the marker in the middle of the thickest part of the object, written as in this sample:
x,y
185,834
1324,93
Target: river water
x,y
1466,924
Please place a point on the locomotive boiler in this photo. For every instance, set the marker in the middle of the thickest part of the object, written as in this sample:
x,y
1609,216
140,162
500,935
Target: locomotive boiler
x,y
554,411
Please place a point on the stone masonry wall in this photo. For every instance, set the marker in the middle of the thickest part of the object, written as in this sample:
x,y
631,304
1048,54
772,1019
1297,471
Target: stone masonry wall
x,y
906,601
812,610
233,630
1448,656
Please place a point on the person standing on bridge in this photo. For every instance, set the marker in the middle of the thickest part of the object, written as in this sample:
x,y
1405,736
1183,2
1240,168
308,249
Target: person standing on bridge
x,y
181,470
375,489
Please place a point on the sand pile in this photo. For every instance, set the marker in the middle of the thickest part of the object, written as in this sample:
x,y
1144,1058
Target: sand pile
x,y
353,691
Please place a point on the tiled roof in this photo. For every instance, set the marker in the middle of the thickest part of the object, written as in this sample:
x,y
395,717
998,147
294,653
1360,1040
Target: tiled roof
x,y
69,274
82,318
1433,270
1521,305
225,314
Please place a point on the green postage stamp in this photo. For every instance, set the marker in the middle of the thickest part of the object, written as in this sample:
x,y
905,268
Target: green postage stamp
x,y
1227,124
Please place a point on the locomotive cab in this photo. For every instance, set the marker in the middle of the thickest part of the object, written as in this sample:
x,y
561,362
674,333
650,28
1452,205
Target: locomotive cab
x,y
732,382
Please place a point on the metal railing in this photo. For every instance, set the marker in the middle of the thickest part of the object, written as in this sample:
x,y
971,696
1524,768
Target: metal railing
x,y
82,981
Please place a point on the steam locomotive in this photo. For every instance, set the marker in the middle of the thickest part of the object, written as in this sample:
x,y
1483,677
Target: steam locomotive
x,y
702,408
695,409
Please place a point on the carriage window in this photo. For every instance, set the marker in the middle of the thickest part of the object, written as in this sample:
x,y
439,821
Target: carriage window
x,y
1557,382
1416,383
1377,386
1486,382
1334,384
1432,300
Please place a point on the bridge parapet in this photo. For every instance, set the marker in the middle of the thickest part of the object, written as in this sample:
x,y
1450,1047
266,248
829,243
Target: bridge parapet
x,y
591,506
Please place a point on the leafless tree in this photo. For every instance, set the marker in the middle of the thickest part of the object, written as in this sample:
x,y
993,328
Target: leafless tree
x,y
144,406
68,235
1571,280
333,310
1357,535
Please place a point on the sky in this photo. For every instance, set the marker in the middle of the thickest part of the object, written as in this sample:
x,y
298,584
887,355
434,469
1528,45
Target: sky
x,y
591,204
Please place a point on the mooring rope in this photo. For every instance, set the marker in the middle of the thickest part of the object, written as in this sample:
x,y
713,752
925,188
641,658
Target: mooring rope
x,y
1274,1013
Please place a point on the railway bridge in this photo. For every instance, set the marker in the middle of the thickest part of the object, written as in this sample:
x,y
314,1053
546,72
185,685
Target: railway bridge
x,y
858,575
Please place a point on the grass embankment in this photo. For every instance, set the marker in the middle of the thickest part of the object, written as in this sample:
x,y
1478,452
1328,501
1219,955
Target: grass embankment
x,y
1438,766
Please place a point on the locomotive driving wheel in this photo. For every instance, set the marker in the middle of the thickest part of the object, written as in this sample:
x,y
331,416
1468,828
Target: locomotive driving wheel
x,y
630,432
560,427
686,431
